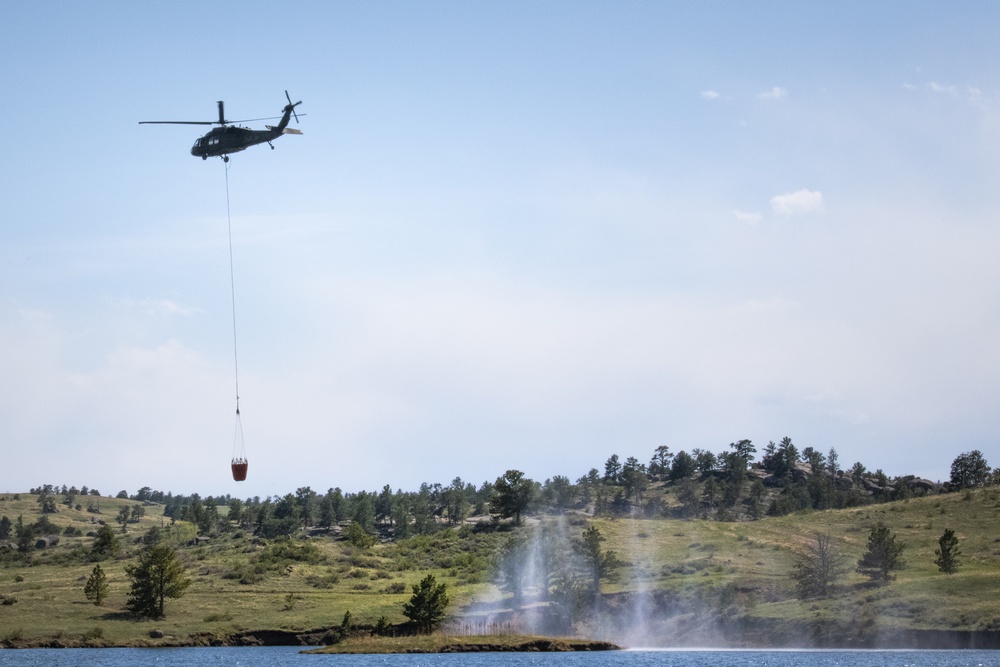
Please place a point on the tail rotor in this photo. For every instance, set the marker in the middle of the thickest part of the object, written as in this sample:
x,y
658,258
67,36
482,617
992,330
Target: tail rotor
x,y
292,106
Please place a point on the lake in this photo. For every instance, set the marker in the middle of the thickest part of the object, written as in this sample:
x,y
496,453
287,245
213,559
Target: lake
x,y
286,656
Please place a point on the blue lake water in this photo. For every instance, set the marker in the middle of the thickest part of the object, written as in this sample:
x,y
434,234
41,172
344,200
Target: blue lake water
x,y
287,656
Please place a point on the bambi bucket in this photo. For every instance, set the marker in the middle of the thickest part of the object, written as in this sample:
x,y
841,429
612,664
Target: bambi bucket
x,y
240,469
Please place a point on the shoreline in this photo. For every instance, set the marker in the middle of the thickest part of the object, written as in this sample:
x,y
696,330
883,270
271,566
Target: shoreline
x,y
797,636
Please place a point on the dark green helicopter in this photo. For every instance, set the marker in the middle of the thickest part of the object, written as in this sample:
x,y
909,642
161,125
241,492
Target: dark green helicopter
x,y
227,138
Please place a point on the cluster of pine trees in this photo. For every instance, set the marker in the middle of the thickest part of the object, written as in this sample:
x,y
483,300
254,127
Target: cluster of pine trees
x,y
729,485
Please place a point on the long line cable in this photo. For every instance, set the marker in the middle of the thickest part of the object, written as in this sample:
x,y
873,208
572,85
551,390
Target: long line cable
x,y
232,290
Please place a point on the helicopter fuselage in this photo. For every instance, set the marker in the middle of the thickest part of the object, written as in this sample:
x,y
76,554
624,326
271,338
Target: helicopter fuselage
x,y
230,139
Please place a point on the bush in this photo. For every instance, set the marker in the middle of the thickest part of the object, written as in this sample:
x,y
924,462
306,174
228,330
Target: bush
x,y
285,551
395,588
327,581
332,636
216,617
356,535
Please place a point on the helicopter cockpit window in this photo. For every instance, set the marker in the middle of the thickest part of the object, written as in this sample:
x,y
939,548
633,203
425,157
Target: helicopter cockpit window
x,y
197,143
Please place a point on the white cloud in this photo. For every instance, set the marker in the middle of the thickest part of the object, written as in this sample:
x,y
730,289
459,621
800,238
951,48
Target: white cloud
x,y
797,203
970,93
775,93
936,87
709,95
746,216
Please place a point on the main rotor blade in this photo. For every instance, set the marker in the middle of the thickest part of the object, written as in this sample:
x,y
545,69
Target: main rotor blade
x,y
251,120
178,122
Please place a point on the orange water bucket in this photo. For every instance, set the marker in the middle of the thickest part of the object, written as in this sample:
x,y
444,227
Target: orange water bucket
x,y
240,469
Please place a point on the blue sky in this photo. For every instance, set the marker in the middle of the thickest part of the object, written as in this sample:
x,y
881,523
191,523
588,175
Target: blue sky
x,y
513,235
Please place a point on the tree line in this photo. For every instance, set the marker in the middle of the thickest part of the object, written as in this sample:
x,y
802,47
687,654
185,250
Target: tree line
x,y
719,485
729,485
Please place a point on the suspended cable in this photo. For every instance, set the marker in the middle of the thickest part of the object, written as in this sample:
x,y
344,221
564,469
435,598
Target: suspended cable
x,y
232,289
239,464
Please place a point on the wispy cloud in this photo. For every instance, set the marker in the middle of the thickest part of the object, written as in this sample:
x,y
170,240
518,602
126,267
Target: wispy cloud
x,y
967,92
798,202
775,93
746,216
936,87
709,95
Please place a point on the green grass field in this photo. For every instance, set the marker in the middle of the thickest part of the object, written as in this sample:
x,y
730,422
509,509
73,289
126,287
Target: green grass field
x,y
243,583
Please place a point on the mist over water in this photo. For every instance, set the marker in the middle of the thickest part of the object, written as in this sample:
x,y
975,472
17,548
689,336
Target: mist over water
x,y
550,588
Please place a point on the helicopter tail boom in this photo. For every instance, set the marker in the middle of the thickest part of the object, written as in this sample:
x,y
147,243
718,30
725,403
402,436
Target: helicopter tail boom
x,y
289,111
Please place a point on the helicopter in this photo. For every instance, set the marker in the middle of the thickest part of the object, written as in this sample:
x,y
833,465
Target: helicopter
x,y
227,138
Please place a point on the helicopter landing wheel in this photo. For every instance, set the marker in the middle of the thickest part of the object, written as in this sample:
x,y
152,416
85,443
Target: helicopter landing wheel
x,y
225,158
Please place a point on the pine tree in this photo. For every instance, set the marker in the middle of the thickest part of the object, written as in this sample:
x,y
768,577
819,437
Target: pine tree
x,y
96,588
947,554
599,563
105,543
157,575
24,535
883,556
427,606
513,494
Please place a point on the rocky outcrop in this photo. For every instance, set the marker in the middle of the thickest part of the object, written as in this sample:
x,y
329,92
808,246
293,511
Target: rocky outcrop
x,y
46,542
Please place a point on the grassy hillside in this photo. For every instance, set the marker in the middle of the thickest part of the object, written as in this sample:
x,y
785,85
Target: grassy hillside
x,y
239,582
752,561
697,571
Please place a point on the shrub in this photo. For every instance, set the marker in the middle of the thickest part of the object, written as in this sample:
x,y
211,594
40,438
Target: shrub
x,y
395,588
290,550
359,537
223,616
327,581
